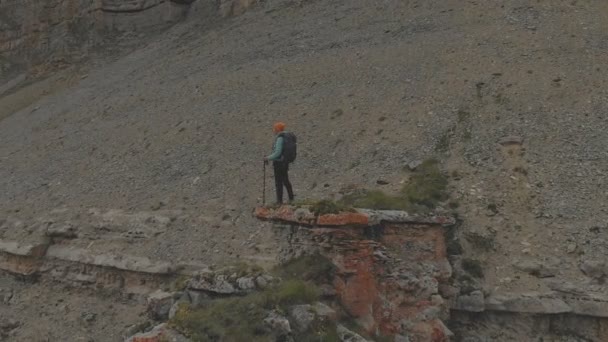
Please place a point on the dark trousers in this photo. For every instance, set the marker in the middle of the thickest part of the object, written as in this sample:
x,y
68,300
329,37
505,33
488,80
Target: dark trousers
x,y
281,178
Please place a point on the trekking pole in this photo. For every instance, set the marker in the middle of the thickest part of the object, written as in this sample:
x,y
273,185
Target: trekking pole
x,y
264,187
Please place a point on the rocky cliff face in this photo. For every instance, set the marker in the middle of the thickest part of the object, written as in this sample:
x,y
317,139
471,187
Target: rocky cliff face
x,y
389,266
59,31
509,96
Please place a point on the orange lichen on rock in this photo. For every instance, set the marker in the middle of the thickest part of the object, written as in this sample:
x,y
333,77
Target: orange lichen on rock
x,y
343,219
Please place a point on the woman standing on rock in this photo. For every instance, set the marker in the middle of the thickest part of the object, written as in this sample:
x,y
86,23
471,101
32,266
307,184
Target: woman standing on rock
x,y
283,153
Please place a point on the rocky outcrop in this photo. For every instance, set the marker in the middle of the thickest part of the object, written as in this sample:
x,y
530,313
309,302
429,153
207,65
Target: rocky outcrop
x,y
57,31
81,267
355,217
388,265
510,326
535,303
559,315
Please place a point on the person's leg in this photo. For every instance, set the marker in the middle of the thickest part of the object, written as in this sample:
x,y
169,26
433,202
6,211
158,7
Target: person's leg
x,y
278,180
287,182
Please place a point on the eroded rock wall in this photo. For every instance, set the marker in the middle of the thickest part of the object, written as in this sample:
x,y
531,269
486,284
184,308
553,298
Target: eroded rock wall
x,y
510,326
33,32
388,273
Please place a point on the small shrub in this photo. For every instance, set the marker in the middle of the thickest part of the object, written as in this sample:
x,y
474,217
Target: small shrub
x,y
292,292
230,319
314,268
427,186
180,283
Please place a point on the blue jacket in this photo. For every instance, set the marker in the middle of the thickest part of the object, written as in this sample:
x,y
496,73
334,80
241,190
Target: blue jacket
x,y
277,149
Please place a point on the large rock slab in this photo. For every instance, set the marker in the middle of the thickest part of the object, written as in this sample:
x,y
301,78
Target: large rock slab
x,y
118,261
398,216
358,217
527,303
23,249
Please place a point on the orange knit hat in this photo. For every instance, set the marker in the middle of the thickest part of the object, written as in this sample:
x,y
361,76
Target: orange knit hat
x,y
278,127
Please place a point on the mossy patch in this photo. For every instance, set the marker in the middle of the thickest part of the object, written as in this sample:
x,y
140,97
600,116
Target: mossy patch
x,y
229,319
180,283
426,188
314,268
292,292
325,207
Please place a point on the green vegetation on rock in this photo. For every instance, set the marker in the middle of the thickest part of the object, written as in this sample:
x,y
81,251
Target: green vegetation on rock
x,y
427,186
325,207
424,190
315,268
241,318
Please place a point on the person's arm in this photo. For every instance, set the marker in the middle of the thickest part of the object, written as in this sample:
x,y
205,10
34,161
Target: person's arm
x,y
278,149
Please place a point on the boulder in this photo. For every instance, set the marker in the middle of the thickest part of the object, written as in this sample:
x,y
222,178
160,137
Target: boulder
x,y
159,305
302,317
278,323
324,311
595,269
216,283
413,165
264,281
66,231
246,283
528,303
